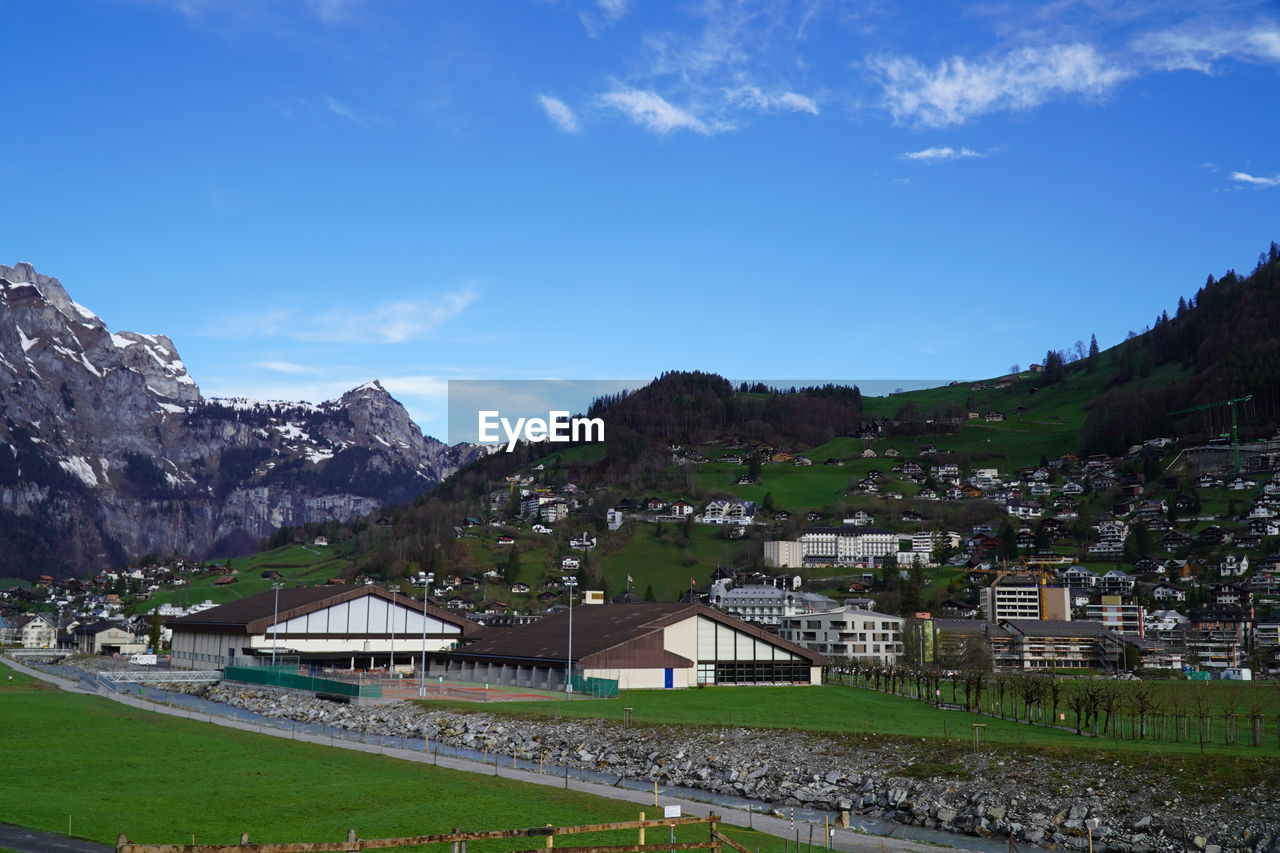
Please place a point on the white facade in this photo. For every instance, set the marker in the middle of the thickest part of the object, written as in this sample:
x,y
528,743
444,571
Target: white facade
x,y
767,605
847,632
849,544
783,554
368,626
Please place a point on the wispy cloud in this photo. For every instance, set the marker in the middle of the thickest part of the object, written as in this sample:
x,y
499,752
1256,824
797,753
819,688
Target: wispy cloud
x,y
290,368
1198,46
604,14
1255,180
341,110
958,89
735,60
392,322
560,113
650,110
937,155
754,97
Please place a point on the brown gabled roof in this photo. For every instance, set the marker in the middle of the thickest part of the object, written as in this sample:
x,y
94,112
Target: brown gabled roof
x,y
598,629
254,614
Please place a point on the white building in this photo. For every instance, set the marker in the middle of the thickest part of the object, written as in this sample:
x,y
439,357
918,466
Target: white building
x,y
767,605
847,632
355,627
783,554
847,544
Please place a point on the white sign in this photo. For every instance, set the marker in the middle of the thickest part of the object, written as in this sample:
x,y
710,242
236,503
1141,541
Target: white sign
x,y
557,427
670,811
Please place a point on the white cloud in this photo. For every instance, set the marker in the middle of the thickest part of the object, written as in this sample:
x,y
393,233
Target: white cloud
x,y
1255,180
958,89
341,110
1198,46
605,14
290,368
652,111
755,98
560,113
392,322
937,155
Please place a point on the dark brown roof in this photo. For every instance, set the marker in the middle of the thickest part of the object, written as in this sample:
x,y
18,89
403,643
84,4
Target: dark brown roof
x,y
598,628
254,614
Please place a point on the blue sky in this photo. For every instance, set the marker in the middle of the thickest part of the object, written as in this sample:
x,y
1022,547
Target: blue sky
x,y
306,194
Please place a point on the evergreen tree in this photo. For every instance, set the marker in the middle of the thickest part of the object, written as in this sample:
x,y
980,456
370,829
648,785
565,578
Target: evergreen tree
x,y
648,593
1094,352
156,635
767,503
511,572
1007,548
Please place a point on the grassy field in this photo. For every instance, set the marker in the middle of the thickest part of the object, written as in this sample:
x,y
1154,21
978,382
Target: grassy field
x,y
847,710
299,565
112,769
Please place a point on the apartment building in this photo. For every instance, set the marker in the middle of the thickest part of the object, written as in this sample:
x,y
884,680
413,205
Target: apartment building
x,y
847,632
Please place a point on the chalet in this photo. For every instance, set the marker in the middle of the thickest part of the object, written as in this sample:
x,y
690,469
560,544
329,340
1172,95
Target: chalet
x,y
1229,595
1214,536
993,416
1116,582
781,514
723,511
506,540
1078,577
869,453
893,452
831,460
225,580
1234,565
911,516
1071,487
680,509
781,456
1168,592
927,494
1024,509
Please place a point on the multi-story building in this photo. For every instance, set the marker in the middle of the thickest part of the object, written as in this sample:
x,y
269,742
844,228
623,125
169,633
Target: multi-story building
x,y
1025,597
847,632
847,544
766,605
1113,613
1054,644
783,554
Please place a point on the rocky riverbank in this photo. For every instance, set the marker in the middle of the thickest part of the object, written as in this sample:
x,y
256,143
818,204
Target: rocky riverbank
x,y
1131,808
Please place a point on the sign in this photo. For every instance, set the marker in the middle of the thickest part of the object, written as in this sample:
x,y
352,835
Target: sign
x,y
670,811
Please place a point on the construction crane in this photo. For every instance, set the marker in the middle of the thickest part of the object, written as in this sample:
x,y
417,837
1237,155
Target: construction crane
x,y
1235,423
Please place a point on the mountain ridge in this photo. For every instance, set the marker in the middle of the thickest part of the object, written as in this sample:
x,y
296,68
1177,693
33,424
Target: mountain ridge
x,y
113,452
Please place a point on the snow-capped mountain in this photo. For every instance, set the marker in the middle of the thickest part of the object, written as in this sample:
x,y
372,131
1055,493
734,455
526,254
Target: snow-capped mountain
x,y
110,451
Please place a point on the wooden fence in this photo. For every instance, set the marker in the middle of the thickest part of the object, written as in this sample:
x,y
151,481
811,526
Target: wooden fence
x,y
458,840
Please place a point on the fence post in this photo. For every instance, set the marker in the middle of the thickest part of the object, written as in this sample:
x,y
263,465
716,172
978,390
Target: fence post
x,y
551,836
640,836
351,839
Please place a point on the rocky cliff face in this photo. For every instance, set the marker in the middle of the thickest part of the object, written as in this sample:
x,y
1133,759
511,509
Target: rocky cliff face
x,y
108,450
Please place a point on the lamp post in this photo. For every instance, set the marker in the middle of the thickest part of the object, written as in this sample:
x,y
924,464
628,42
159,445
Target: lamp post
x,y
275,620
570,582
391,615
422,670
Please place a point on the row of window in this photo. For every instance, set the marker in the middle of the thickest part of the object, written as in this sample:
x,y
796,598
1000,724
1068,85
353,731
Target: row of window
x,y
753,672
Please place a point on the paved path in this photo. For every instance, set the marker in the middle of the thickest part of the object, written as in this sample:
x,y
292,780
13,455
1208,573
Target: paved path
x,y
34,841
842,839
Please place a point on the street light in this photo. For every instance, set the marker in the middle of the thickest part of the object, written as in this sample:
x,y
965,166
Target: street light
x,y
422,670
391,614
275,622
570,582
